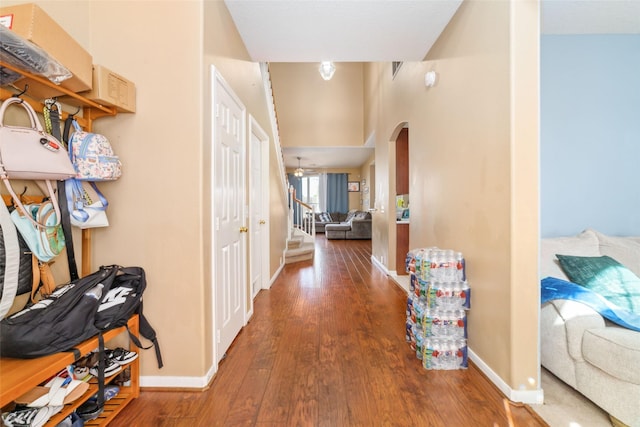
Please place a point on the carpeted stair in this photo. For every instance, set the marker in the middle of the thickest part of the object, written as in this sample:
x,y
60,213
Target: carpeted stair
x,y
298,250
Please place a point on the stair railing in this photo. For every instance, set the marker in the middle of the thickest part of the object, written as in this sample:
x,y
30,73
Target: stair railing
x,y
301,215
273,116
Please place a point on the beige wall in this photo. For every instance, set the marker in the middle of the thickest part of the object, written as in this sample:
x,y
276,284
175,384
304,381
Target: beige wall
x,y
159,210
473,171
314,112
473,168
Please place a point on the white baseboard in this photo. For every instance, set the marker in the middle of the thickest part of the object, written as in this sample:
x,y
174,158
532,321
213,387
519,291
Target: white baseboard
x,y
196,383
276,274
524,396
377,263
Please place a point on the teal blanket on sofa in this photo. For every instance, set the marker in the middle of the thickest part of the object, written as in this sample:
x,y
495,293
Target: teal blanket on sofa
x,y
554,288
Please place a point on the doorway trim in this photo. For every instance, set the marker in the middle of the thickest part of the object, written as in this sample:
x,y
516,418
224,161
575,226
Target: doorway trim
x,y
256,130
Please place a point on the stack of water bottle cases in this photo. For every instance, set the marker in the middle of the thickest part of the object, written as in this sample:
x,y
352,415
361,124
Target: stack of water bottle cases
x,y
437,304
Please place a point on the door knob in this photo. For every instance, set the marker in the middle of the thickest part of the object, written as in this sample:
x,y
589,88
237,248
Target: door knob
x,y
243,229
262,221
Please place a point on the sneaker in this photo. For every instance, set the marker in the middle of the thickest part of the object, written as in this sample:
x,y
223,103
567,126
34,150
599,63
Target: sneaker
x,y
35,417
110,391
80,372
111,368
89,410
123,379
22,417
121,356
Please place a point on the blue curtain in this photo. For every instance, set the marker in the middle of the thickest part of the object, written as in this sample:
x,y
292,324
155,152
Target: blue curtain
x,y
337,194
297,185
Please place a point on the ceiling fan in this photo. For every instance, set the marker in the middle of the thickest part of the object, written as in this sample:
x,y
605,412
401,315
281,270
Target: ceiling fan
x,y
300,171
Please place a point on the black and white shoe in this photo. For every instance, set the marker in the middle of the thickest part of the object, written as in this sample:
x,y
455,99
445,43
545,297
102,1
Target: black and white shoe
x,y
111,368
121,356
32,417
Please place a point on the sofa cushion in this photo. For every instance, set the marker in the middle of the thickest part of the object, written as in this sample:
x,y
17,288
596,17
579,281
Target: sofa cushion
x,y
350,215
615,350
324,217
584,244
343,226
338,216
605,276
625,250
361,215
576,318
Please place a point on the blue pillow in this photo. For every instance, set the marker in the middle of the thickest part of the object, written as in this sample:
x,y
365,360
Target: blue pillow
x,y
605,276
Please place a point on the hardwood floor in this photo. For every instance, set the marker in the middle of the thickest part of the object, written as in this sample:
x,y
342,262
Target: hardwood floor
x,y
326,347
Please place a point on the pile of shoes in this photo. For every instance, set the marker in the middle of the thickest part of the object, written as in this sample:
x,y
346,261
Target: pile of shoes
x,y
115,359
37,406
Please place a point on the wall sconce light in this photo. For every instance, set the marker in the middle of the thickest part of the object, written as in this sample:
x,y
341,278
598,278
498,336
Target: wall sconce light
x,y
430,79
327,69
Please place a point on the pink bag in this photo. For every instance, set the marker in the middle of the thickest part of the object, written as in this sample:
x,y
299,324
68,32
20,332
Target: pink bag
x,y
32,154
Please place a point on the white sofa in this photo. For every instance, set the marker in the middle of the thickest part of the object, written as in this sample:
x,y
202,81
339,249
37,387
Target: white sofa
x,y
597,358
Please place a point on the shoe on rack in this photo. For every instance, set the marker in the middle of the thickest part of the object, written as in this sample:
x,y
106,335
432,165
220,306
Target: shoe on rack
x,y
123,379
22,417
89,410
111,368
121,355
80,372
32,417
110,391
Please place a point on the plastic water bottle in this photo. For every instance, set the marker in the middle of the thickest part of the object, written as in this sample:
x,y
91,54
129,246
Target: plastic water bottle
x,y
433,267
460,267
449,266
95,292
462,361
465,295
419,346
425,267
418,262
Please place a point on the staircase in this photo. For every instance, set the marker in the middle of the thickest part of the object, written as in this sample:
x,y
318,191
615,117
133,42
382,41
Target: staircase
x,y
302,226
298,249
300,242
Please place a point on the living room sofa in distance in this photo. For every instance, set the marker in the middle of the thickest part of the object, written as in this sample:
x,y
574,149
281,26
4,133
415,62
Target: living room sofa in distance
x,y
324,218
356,225
595,356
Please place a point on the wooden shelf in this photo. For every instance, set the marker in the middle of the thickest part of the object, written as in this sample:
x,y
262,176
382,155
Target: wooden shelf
x,y
21,375
91,111
17,376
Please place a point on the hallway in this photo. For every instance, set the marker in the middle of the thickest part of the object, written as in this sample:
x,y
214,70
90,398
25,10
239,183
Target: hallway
x,y
326,347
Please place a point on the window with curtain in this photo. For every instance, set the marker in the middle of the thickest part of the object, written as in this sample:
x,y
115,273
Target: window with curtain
x,y
326,192
311,191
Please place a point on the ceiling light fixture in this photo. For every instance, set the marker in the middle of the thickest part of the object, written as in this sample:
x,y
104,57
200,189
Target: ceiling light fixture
x,y
298,172
327,69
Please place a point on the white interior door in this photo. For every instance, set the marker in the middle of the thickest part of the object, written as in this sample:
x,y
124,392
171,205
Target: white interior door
x,y
229,233
258,207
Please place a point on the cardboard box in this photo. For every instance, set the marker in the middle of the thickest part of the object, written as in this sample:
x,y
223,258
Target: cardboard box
x,y
113,90
32,23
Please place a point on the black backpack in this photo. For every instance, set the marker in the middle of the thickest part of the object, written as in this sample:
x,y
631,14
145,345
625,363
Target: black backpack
x,y
123,299
56,323
69,316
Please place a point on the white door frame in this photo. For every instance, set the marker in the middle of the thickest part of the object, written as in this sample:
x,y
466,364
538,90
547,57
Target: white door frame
x,y
256,130
217,79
